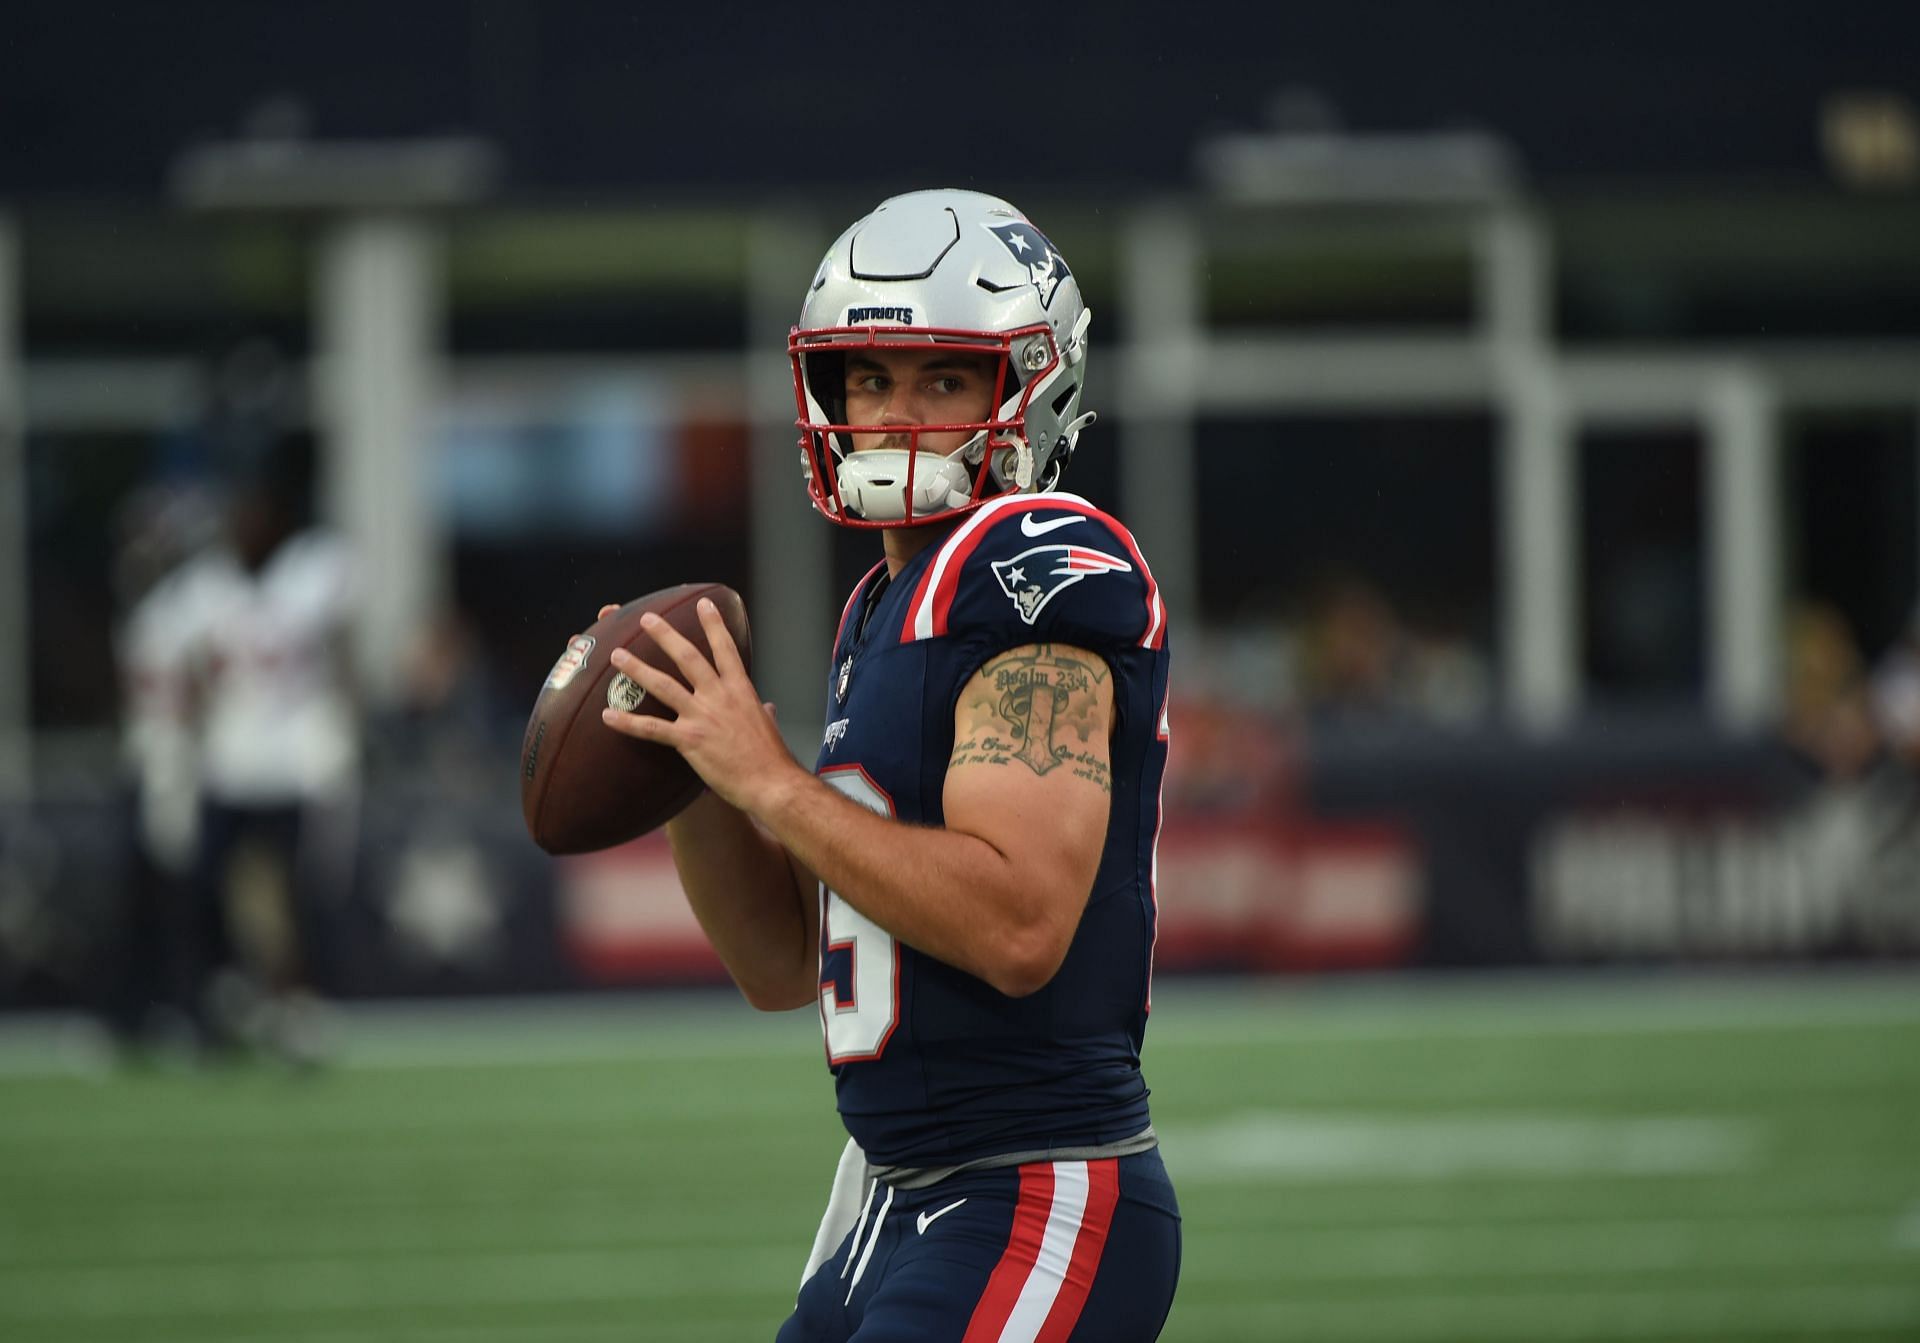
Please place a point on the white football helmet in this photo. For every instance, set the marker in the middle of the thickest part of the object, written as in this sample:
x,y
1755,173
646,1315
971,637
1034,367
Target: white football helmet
x,y
961,271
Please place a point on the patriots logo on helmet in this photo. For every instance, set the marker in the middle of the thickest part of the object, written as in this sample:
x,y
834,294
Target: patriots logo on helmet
x,y
1046,268
1032,577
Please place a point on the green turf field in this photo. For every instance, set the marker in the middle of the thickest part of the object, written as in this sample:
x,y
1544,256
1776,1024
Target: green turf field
x,y
1548,1160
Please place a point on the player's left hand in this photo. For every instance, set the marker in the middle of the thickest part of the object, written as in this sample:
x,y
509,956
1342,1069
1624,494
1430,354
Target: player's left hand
x,y
721,726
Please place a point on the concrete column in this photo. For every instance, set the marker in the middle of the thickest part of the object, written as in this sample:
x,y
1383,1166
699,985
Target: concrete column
x,y
16,738
1154,385
1538,552
792,605
1743,525
1539,546
379,318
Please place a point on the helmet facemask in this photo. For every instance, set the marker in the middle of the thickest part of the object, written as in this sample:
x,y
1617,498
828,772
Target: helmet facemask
x,y
950,270
907,482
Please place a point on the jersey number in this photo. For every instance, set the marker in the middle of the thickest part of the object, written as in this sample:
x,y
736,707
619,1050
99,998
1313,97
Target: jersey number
x,y
859,960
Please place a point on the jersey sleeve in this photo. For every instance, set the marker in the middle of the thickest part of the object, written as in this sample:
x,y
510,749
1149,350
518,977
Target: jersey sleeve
x,y
1048,568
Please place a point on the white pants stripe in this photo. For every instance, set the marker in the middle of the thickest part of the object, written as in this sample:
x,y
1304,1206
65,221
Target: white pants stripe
x,y
1056,1252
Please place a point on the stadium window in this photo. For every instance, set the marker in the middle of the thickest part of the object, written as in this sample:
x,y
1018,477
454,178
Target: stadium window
x,y
1364,546
608,281
1852,528
578,486
1642,566
110,514
131,282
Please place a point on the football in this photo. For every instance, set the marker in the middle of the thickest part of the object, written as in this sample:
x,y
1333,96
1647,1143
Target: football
x,y
584,786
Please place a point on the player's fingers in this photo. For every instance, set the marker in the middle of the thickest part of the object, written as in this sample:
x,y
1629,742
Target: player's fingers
x,y
642,726
692,664
663,686
726,654
606,610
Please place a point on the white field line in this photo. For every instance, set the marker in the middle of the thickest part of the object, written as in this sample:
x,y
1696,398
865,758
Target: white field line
x,y
1414,1008
1795,1191
170,1231
500,1034
1678,1249
329,1282
1295,1256
1906,1230
1746,1312
1286,1146
1188,1013
322,1285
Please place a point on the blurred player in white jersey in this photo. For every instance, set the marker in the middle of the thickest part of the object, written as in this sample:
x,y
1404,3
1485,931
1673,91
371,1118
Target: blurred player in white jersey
x,y
238,664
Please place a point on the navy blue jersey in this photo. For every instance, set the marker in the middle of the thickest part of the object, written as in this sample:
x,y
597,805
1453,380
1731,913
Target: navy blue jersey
x,y
934,1067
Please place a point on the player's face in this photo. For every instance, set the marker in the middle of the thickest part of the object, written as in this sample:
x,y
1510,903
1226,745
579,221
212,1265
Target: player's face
x,y
910,387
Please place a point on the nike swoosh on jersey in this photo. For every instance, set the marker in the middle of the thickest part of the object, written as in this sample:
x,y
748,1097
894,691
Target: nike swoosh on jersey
x,y
926,1219
1028,527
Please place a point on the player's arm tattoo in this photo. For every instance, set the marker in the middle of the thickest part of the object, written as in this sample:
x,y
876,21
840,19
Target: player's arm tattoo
x,y
1041,706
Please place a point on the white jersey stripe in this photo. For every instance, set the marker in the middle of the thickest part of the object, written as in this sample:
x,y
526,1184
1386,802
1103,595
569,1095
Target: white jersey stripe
x,y
923,614
1056,1252
1159,614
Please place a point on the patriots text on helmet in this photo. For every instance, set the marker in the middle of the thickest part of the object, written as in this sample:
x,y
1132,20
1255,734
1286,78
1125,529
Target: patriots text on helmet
x,y
902,315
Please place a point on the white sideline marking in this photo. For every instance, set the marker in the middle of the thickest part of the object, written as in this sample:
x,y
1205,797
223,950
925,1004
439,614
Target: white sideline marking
x,y
1188,1014
1906,1232
1303,1146
490,1033
1813,1311
1421,1007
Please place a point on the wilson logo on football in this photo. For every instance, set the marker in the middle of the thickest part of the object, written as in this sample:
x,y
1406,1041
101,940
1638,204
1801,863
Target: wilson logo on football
x,y
1032,577
570,661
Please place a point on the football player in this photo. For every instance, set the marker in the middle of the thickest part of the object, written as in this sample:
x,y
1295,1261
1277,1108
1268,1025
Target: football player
x,y
963,884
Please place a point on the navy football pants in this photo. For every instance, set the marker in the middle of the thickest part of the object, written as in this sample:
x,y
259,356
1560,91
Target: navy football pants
x,y
1043,1253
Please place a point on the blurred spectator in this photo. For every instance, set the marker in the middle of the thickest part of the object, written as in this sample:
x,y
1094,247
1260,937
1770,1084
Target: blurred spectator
x,y
1231,758
1895,694
1364,663
450,729
1828,719
1355,649
244,726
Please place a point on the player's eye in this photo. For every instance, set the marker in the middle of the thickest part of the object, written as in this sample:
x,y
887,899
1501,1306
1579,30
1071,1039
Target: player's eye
x,y
950,384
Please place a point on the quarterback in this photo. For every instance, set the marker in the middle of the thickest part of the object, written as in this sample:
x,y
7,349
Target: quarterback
x,y
963,883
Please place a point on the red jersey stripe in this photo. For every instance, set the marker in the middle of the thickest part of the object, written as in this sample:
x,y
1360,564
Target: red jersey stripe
x,y
933,599
946,561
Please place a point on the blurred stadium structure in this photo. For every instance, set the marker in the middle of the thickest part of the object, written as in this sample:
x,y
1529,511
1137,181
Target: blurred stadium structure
x,y
1532,467
1536,536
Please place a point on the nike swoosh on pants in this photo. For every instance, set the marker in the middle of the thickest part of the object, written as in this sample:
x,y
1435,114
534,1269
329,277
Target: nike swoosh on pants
x,y
927,1219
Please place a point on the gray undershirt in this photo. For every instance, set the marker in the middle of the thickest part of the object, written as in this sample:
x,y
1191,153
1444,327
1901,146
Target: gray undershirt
x,y
919,1177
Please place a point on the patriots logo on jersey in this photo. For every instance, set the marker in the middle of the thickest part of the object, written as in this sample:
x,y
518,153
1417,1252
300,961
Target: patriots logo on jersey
x,y
1046,268
1032,577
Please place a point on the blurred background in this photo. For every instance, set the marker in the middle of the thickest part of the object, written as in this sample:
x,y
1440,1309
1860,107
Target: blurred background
x,y
1520,405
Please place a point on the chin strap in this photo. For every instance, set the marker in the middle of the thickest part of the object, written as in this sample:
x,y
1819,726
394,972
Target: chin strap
x,y
974,451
